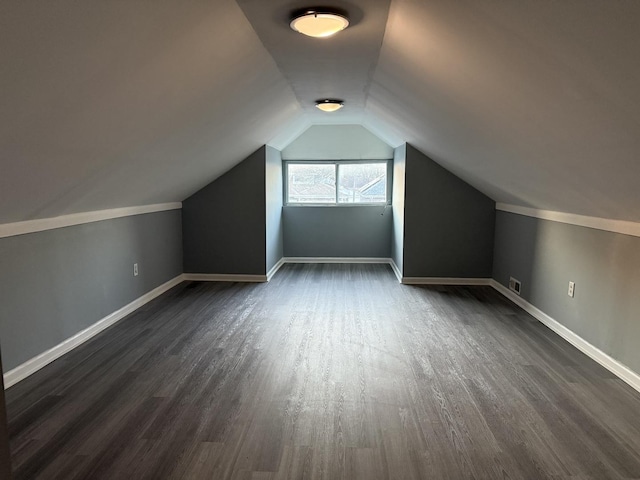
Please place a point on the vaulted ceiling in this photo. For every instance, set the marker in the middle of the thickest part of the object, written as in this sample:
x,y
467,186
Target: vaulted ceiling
x,y
113,104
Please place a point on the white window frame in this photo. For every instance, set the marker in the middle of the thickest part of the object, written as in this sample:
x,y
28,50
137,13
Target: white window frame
x,y
336,163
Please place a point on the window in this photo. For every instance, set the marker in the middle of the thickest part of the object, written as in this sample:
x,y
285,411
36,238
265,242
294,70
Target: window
x,y
311,183
336,183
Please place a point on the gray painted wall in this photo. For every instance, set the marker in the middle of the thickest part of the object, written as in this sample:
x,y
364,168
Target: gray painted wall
x,y
5,456
224,224
448,225
347,231
337,142
397,234
56,283
605,266
274,199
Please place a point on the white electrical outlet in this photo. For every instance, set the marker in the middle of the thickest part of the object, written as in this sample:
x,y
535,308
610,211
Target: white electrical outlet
x,y
514,285
572,287
135,269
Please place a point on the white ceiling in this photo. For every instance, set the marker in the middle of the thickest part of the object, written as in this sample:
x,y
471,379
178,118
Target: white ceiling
x,y
111,104
338,67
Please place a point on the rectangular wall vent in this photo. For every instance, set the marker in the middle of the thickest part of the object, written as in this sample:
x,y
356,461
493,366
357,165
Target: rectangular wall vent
x,y
514,285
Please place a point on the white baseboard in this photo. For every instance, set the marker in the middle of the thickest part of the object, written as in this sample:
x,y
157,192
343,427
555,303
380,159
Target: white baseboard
x,y
444,281
395,269
36,363
223,277
611,364
337,260
215,277
275,268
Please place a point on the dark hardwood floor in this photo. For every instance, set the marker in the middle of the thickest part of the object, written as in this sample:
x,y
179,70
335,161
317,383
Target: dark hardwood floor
x,y
328,371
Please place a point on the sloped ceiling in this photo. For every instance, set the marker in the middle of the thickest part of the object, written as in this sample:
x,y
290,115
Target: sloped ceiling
x,y
534,103
338,67
110,104
113,104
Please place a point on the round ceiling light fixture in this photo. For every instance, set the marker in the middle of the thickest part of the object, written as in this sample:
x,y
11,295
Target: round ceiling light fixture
x,y
319,23
329,105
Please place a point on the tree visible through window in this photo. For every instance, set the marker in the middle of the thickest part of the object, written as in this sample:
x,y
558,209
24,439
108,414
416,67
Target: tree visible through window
x,y
336,183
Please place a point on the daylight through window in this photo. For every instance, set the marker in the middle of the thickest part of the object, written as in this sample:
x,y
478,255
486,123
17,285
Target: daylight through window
x,y
336,183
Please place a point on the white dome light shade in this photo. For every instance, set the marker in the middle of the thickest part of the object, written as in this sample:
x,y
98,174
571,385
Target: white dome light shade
x,y
329,105
319,24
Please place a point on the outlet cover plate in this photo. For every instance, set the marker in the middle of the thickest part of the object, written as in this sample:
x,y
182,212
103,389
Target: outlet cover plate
x,y
514,285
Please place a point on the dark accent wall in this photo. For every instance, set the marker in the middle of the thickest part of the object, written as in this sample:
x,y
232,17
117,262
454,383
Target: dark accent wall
x,y
448,225
58,282
224,226
397,234
347,231
605,267
274,199
5,456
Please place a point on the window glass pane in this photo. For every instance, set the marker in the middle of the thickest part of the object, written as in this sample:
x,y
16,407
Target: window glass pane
x,y
311,183
362,183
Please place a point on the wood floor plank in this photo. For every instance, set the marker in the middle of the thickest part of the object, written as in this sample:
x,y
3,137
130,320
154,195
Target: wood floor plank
x,y
326,372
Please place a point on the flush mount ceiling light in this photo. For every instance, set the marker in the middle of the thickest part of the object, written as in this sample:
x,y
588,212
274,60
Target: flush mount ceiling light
x,y
329,105
319,23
